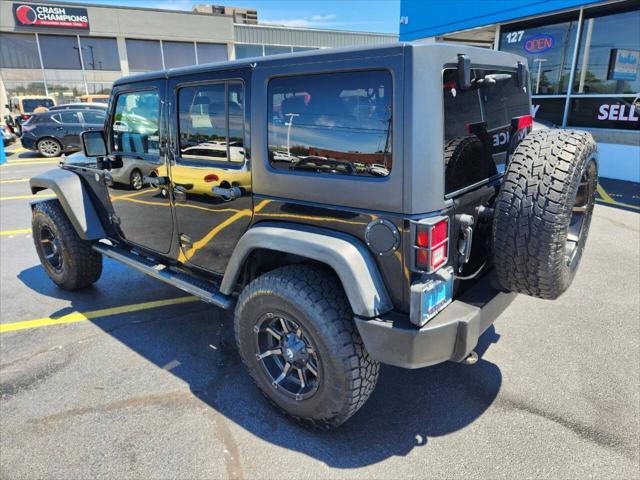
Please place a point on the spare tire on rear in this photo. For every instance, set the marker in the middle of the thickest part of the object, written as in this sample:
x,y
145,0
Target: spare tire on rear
x,y
543,212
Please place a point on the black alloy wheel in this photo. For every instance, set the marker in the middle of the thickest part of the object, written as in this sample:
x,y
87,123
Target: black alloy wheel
x,y
287,355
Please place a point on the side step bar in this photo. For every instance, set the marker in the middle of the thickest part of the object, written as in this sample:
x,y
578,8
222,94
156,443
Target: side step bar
x,y
205,290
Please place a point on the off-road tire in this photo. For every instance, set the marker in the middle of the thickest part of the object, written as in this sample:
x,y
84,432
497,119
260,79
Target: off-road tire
x,y
81,266
49,152
465,163
534,210
317,301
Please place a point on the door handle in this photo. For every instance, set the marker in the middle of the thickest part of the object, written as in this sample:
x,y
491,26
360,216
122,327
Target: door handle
x,y
59,128
155,181
227,194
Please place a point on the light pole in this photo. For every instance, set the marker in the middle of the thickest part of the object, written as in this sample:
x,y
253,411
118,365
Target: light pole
x,y
539,60
289,124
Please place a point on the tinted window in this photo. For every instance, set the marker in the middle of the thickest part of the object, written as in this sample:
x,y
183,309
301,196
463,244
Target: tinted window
x,y
69,117
178,54
548,49
275,50
212,122
336,123
60,52
30,104
136,121
100,53
211,52
248,51
609,56
18,51
144,55
477,127
93,117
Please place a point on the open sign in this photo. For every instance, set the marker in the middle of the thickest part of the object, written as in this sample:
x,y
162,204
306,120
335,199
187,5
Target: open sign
x,y
539,43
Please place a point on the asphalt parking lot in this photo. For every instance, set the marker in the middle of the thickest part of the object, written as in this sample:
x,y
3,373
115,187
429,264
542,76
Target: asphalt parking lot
x,y
131,379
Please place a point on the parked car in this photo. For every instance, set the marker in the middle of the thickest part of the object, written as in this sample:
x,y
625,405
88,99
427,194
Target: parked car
x,y
80,106
131,175
57,132
22,107
332,268
8,137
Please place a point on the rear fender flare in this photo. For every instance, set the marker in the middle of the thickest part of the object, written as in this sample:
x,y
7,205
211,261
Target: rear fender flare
x,y
74,199
348,257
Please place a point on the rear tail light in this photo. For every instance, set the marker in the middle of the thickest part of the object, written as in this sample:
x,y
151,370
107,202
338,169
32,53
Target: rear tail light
x,y
25,117
432,244
525,121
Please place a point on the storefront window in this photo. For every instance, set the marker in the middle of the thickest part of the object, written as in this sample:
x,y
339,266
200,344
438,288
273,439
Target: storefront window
x,y
275,50
100,53
247,51
144,55
60,52
609,55
211,52
18,51
549,50
178,54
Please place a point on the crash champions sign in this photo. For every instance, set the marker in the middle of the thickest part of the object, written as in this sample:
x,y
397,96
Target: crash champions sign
x,y
30,15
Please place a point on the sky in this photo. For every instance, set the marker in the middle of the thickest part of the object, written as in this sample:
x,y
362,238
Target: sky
x,y
365,16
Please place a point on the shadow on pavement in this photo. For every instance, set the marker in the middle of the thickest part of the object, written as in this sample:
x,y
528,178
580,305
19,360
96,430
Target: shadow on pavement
x,y
195,342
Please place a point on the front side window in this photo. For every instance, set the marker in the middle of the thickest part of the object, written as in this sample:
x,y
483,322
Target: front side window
x,y
70,117
211,121
548,49
339,123
135,127
93,117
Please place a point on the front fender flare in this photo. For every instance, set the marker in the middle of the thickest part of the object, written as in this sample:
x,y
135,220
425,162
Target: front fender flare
x,y
74,199
348,257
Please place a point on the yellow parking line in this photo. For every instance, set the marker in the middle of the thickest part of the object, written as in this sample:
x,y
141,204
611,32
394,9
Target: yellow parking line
x,y
14,232
21,197
606,198
81,317
15,180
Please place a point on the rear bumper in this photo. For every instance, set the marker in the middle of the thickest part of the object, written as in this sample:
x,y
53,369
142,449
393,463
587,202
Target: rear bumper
x,y
450,335
28,141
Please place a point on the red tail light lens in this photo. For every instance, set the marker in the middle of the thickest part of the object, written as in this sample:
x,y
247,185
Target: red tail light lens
x,y
212,177
432,244
525,121
25,117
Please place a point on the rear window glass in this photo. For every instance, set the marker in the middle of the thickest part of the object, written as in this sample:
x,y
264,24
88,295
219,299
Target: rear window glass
x,y
477,129
338,123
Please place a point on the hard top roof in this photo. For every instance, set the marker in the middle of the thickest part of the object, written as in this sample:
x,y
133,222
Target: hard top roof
x,y
286,58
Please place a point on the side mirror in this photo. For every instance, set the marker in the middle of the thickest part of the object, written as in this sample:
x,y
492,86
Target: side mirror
x,y
521,75
463,80
93,143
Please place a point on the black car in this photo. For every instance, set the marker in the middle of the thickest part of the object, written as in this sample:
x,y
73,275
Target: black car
x,y
352,206
52,133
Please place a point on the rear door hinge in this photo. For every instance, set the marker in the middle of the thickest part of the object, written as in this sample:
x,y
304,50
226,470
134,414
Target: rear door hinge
x,y
185,241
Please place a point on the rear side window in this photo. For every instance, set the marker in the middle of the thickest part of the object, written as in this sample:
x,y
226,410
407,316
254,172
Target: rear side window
x,y
66,117
136,121
338,123
477,130
212,122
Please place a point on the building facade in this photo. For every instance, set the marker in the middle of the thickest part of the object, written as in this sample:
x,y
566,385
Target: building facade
x,y
66,50
583,57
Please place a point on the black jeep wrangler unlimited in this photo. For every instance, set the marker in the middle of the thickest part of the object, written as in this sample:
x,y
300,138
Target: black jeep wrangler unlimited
x,y
356,207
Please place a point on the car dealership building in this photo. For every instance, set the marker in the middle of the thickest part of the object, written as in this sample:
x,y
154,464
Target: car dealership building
x,y
583,57
66,50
